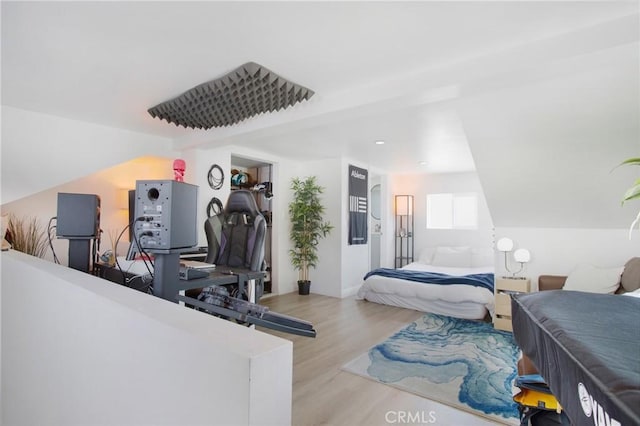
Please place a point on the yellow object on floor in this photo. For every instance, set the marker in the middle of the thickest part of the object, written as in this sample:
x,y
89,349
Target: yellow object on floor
x,y
537,399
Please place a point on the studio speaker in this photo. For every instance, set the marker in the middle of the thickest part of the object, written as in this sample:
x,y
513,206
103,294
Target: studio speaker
x,y
78,216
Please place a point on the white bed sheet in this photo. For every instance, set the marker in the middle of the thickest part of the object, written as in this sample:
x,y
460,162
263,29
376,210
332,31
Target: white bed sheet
x,y
457,300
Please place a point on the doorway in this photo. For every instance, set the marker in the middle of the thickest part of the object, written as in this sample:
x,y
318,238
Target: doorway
x,y
375,230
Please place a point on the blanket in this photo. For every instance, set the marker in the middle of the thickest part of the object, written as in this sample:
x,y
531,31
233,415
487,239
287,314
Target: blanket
x,y
477,280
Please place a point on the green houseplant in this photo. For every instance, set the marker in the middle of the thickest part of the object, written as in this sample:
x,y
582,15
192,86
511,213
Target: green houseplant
x,y
307,227
632,193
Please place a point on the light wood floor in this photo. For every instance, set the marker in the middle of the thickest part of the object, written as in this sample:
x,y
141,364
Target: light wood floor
x,y
325,395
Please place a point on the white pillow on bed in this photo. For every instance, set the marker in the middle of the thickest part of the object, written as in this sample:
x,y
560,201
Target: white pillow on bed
x,y
590,279
426,255
459,257
482,257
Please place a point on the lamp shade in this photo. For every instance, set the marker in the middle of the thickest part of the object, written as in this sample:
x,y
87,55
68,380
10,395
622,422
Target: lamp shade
x,y
504,244
522,255
404,205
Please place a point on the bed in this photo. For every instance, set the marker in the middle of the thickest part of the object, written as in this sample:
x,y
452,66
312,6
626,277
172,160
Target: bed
x,y
587,347
452,281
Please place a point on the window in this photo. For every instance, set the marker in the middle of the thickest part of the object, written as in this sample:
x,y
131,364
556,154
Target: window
x,y
452,211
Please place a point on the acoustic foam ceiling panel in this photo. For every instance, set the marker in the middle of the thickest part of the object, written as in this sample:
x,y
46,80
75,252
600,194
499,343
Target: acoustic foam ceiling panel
x,y
247,91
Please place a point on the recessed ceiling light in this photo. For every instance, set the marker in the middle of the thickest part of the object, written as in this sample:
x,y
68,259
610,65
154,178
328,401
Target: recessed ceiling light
x,y
380,142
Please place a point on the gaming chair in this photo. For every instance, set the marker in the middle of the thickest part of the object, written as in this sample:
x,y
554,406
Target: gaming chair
x,y
236,237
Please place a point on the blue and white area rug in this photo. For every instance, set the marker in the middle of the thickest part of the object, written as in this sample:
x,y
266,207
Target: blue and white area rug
x,y
462,363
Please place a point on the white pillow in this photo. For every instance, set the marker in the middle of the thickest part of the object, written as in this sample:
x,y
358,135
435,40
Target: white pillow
x,y
426,255
459,257
482,257
590,279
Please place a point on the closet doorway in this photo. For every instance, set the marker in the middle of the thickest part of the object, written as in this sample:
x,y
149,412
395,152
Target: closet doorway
x,y
257,177
375,230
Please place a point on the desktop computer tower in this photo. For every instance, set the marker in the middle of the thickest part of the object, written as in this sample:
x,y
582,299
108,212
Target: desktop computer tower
x,y
166,215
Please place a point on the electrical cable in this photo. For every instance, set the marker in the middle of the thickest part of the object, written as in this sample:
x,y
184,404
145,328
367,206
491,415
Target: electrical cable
x,y
214,181
145,255
96,250
115,255
135,241
214,207
144,279
49,229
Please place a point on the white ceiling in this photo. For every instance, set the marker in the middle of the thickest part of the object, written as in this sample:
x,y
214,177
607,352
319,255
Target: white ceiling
x,y
381,70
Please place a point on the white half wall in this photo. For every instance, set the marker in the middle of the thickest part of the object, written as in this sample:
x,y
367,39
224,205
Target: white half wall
x,y
41,151
79,350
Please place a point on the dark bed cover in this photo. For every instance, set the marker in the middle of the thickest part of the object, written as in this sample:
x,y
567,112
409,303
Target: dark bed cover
x,y
483,280
587,347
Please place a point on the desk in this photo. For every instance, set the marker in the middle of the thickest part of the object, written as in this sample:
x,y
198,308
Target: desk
x,y
221,275
123,277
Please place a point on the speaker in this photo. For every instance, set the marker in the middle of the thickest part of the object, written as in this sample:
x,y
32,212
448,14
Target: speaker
x,y
167,210
78,216
132,212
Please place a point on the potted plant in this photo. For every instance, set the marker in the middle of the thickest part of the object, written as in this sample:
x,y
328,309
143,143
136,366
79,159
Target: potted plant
x,y
307,228
26,235
632,193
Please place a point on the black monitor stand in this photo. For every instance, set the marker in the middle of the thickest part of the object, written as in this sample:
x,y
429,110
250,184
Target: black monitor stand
x,y
80,254
166,268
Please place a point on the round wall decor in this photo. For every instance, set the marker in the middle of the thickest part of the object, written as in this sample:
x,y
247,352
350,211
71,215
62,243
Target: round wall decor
x,y
215,177
214,207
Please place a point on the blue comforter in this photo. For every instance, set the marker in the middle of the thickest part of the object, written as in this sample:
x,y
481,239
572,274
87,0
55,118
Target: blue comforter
x,y
477,280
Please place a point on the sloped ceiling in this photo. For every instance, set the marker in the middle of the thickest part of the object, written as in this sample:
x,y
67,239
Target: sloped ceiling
x,y
546,149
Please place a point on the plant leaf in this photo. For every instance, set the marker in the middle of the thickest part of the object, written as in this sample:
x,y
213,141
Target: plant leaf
x,y
632,193
632,161
633,224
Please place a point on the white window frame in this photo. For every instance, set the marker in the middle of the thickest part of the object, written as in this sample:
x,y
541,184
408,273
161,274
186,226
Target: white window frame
x,y
447,204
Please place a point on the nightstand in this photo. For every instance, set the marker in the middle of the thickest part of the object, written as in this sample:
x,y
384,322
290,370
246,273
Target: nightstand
x,y
504,288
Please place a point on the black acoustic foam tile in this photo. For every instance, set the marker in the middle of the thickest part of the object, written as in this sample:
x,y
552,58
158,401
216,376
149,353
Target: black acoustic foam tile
x,y
249,90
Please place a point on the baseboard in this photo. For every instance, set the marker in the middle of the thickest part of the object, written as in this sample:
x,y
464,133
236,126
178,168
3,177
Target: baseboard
x,y
348,292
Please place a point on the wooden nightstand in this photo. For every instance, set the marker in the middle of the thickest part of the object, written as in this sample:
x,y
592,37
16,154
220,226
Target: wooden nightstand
x,y
504,288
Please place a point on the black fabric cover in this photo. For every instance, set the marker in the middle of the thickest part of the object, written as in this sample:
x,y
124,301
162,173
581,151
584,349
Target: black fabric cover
x,y
587,347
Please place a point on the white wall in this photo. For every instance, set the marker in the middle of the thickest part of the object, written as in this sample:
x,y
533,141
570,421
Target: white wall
x,y
78,350
557,251
42,151
199,161
354,258
420,185
111,185
340,267
326,277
